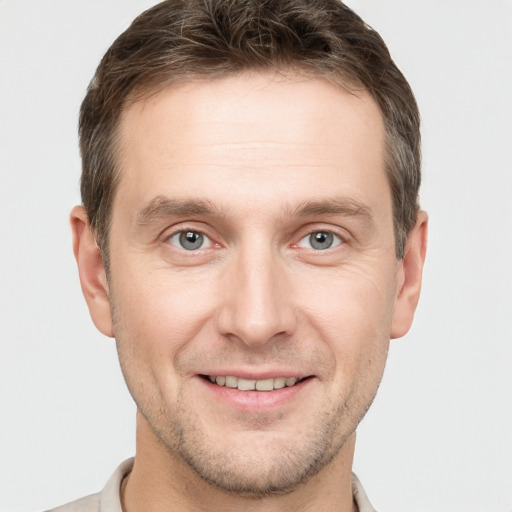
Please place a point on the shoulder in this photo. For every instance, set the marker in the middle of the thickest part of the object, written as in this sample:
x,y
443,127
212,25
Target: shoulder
x,y
108,500
360,497
87,504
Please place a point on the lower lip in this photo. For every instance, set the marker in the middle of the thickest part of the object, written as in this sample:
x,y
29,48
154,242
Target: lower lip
x,y
257,401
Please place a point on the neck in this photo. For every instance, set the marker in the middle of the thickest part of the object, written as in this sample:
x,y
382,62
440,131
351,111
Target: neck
x,y
160,481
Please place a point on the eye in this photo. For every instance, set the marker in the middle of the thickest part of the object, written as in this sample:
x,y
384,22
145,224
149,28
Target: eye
x,y
190,240
320,240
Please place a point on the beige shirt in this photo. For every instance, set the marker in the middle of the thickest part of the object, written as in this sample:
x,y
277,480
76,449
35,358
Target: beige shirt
x,y
109,499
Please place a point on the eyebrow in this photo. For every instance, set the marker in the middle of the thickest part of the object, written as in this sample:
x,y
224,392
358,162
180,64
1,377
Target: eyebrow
x,y
161,207
339,206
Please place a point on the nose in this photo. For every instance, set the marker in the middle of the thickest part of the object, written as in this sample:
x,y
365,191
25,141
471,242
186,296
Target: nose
x,y
257,300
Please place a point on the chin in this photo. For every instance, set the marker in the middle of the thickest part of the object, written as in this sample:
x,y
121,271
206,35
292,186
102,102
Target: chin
x,y
259,465
256,478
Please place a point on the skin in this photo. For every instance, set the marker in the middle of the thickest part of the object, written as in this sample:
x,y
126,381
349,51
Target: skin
x,y
256,163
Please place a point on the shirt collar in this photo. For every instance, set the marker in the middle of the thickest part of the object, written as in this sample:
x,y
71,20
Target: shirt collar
x,y
110,499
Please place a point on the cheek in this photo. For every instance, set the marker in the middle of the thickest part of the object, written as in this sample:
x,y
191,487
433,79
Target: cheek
x,y
361,297
159,313
155,318
352,310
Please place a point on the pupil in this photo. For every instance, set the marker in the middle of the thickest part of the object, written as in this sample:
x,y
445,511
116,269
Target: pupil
x,y
321,240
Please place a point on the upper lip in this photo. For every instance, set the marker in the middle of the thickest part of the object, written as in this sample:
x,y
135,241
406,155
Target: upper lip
x,y
252,375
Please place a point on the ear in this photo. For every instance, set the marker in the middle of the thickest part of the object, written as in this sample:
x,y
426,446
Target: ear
x,y
409,277
92,274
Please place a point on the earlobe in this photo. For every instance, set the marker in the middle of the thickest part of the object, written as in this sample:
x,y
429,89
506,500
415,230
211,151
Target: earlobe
x,y
409,277
91,271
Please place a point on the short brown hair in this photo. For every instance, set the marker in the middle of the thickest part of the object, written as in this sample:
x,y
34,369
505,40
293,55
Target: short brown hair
x,y
191,39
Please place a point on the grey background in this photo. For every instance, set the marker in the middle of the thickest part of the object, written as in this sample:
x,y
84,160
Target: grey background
x,y
439,436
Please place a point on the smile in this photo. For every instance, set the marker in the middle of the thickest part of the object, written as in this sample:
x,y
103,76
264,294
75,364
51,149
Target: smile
x,y
253,385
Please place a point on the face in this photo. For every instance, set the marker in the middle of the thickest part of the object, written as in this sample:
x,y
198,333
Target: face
x,y
253,278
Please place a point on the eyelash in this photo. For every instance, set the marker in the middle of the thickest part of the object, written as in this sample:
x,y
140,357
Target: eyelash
x,y
334,239
178,239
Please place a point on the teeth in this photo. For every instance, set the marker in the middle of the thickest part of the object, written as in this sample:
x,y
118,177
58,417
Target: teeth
x,y
246,385
231,382
279,382
265,385
251,385
290,381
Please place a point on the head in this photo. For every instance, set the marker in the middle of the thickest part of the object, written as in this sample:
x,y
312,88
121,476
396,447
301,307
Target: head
x,y
251,172
178,41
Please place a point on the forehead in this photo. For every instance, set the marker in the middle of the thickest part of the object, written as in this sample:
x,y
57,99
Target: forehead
x,y
247,132
283,104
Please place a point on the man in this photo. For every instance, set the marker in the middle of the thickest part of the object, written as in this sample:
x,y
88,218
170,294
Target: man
x,y
250,235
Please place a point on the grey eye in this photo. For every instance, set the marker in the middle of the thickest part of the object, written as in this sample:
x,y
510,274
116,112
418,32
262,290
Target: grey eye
x,y
188,240
321,240
191,240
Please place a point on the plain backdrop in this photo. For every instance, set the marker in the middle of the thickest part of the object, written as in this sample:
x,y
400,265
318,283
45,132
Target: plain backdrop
x,y
439,436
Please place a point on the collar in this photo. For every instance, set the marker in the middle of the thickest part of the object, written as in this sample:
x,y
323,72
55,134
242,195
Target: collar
x,y
110,498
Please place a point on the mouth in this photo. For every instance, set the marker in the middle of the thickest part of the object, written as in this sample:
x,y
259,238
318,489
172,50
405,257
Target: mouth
x,y
241,384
